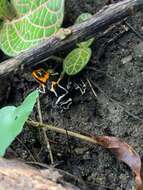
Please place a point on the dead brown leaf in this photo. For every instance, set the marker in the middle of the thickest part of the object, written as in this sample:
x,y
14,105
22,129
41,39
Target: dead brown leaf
x,y
125,153
120,149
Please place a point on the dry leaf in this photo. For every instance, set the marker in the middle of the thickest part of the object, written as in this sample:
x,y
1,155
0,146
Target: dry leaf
x,y
125,153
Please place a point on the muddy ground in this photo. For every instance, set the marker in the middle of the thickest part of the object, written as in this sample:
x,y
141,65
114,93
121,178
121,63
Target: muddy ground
x,y
116,72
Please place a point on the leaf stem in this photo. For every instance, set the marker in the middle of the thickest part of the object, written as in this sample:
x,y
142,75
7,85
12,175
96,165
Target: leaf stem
x,y
63,131
44,131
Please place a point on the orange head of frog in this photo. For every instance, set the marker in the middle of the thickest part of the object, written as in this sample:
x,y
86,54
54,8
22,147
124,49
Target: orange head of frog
x,y
41,76
44,79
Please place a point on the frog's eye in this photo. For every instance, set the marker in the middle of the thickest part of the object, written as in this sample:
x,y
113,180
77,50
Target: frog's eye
x,y
40,75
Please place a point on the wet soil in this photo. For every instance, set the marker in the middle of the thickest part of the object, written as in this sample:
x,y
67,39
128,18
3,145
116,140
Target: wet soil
x,y
116,75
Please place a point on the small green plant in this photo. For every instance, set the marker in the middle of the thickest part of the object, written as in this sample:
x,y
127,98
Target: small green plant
x,y
12,120
77,59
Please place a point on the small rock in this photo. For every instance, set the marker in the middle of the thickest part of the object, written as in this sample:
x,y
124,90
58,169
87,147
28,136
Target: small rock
x,y
127,59
138,50
80,150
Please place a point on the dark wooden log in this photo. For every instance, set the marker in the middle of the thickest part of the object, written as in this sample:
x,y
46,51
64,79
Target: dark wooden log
x,y
108,16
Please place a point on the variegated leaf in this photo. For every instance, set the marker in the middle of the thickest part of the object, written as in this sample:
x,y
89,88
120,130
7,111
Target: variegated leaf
x,y
38,20
76,60
83,17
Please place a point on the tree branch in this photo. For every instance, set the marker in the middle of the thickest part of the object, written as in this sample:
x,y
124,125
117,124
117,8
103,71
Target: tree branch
x,y
106,17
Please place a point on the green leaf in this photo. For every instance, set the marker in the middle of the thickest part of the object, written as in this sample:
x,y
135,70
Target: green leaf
x,y
76,60
12,120
7,10
38,20
79,57
83,17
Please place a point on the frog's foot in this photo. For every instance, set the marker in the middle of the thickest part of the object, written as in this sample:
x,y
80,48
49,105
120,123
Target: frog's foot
x,y
64,104
81,87
53,88
60,98
42,88
56,84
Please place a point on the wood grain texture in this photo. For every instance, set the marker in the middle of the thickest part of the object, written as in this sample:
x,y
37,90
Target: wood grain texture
x,y
106,17
15,175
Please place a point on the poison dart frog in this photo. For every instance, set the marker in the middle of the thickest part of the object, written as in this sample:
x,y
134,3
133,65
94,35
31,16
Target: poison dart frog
x,y
44,78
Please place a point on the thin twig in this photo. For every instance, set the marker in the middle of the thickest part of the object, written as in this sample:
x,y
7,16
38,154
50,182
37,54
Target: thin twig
x,y
62,131
118,103
27,149
92,89
138,34
55,58
99,71
38,164
44,131
39,110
